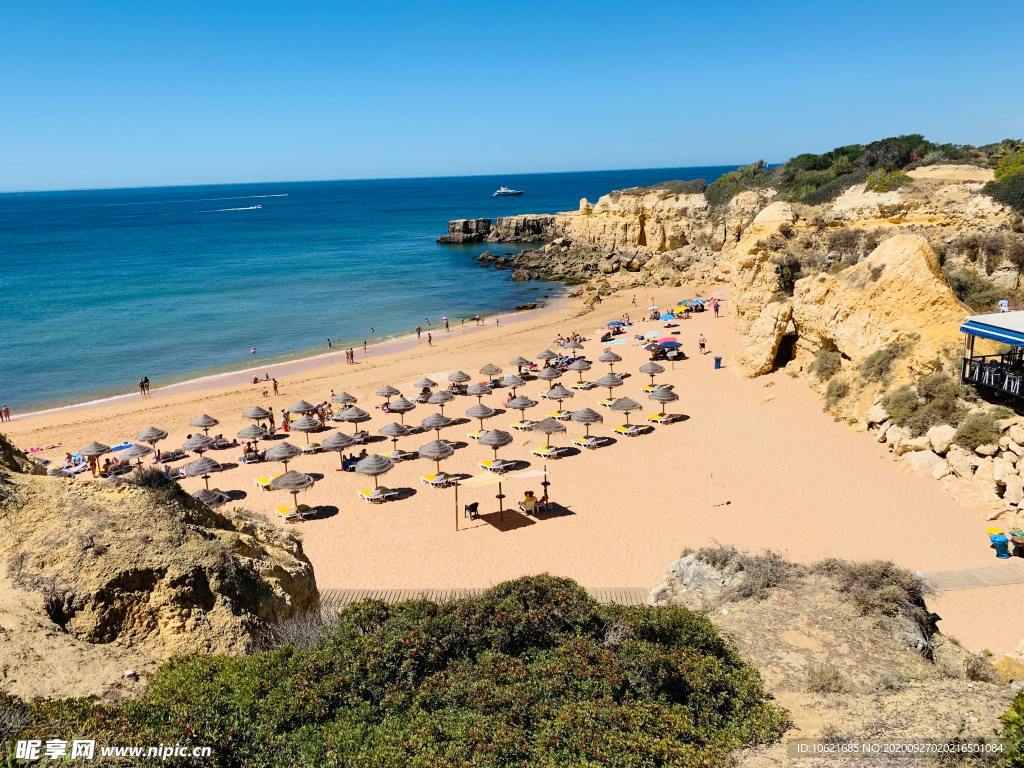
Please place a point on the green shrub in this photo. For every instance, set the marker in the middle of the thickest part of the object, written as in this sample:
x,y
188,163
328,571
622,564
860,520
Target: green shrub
x,y
934,402
1008,190
533,673
1010,164
901,404
977,429
882,180
820,677
1013,732
830,190
826,363
973,290
759,573
877,365
836,392
727,186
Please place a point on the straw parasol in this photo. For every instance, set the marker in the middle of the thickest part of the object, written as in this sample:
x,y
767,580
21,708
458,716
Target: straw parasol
x,y
663,396
611,358
202,468
344,398
549,375
337,441
212,499
394,430
293,482
197,443
253,432
559,393
495,438
625,405
579,365
573,345
513,382
439,398
256,413
519,363
459,377
478,391
609,380
301,406
374,466
283,452
520,404
387,392
425,383
652,369
549,427
137,452
151,435
490,370
586,417
204,422
401,406
353,415
436,451
436,422
94,449
546,355
480,411
307,425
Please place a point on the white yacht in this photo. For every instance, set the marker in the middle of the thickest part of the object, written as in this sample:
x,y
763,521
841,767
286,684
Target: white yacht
x,y
506,192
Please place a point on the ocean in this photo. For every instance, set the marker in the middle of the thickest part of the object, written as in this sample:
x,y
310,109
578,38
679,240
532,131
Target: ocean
x,y
102,287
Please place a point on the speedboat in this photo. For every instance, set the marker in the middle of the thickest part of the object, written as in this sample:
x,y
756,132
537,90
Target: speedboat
x,y
506,192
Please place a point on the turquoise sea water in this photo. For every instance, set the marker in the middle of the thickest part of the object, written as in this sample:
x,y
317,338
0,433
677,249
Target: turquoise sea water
x,y
102,287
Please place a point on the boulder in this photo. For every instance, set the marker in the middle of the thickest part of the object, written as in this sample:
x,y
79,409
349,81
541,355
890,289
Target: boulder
x,y
987,449
1017,449
941,469
1013,494
910,444
941,438
961,462
984,475
925,462
1005,424
1002,469
896,435
876,414
1016,433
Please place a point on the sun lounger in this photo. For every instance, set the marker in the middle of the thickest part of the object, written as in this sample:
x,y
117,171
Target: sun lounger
x,y
561,415
497,465
587,442
474,435
607,402
168,456
582,385
440,480
295,514
522,426
657,418
546,453
311,448
220,444
76,469
377,495
400,455
250,458
630,430
264,481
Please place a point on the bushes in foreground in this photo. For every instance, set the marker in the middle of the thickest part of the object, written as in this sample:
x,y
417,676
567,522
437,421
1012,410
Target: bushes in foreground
x,y
977,429
535,673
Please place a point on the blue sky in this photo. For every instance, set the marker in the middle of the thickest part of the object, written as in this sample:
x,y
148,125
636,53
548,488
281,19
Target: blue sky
x,y
145,93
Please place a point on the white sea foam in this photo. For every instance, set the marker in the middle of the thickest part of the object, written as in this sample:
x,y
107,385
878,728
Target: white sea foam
x,y
221,210
192,200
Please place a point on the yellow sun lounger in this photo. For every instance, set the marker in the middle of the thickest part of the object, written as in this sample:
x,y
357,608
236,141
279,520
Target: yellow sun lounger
x,y
546,453
377,495
291,514
582,385
657,418
629,430
474,435
436,481
607,402
497,465
522,426
264,481
587,442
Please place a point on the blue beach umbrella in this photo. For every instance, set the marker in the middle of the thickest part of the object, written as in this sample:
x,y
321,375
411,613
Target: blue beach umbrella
x,y
669,345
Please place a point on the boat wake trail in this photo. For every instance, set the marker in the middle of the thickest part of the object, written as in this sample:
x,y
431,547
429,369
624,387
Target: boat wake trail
x,y
222,210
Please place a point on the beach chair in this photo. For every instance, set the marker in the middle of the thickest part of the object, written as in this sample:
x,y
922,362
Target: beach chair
x,y
263,481
297,514
474,435
587,442
497,465
311,448
561,415
528,507
360,437
440,480
629,430
582,385
546,453
402,455
250,458
522,426
168,456
657,418
377,495
607,402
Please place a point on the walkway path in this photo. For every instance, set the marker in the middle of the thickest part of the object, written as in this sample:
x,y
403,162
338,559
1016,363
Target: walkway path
x,y
339,598
997,575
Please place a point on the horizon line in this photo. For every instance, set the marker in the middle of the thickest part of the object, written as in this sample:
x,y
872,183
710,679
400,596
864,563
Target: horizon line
x,y
367,178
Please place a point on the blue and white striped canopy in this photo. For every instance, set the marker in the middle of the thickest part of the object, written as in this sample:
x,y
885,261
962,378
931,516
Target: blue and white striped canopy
x,y
1004,327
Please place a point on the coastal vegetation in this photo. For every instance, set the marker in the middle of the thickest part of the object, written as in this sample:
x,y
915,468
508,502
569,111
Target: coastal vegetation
x,y
534,673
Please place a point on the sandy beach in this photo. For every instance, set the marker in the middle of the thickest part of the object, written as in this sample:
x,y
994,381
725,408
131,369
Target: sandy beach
x,y
756,465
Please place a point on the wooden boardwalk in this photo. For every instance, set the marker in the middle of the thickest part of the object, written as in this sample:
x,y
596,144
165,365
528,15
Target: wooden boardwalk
x,y
336,599
996,575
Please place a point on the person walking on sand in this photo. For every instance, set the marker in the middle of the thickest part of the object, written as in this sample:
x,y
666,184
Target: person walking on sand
x,y
633,303
364,347
419,332
142,387
715,305
273,423
273,383
445,321
702,344
430,340
330,344
5,413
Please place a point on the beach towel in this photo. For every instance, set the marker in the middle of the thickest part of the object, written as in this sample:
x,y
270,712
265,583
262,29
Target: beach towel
x,y
120,447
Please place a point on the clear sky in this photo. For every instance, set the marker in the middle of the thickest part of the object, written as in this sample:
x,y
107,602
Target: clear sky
x,y
110,93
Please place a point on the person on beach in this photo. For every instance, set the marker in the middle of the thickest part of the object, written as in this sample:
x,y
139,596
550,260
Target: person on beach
x,y
273,424
715,305
633,302
330,344
273,383
419,331
445,321
5,413
142,387
430,340
702,344
252,351
364,346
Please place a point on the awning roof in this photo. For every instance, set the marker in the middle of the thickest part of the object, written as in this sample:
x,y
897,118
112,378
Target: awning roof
x,y
1005,327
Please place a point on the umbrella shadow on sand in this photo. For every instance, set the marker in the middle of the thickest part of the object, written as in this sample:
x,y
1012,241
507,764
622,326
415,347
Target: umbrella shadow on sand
x,y
323,511
553,510
460,420
226,465
458,445
235,495
317,476
403,493
508,520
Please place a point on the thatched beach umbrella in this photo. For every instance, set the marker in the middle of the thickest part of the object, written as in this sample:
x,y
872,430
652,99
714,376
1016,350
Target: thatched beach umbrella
x,y
513,382
439,398
203,468
436,422
549,427
559,393
521,403
197,443
478,391
481,412
212,499
93,450
573,345
519,363
579,365
586,417
459,377
151,435
610,381
663,396
549,375
425,383
495,439
546,355
344,398
611,358
625,405
394,430
204,422
253,432
337,441
401,406
256,413
354,415
652,369
490,370
293,482
137,452
374,466
283,452
301,406
305,424
387,392
436,451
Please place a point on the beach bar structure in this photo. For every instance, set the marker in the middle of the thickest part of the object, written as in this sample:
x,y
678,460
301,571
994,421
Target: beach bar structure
x,y
1001,372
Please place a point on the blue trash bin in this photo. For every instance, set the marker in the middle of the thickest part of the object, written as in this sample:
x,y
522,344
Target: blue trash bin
x,y
1001,544
718,362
